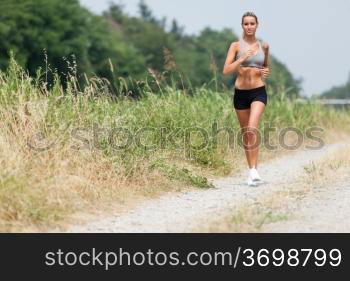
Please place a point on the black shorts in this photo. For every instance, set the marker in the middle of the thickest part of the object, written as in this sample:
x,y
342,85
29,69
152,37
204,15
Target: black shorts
x,y
242,99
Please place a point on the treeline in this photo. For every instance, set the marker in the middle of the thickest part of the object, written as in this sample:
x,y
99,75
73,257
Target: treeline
x,y
338,92
62,37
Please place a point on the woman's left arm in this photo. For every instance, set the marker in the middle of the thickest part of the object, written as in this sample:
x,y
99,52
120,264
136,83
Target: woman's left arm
x,y
266,69
266,51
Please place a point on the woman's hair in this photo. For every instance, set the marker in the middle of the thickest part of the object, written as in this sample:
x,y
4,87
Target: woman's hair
x,y
250,14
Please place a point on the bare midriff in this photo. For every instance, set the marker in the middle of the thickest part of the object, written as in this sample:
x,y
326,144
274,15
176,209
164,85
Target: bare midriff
x,y
249,78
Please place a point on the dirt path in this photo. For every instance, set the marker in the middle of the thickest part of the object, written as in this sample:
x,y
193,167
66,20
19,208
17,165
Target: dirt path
x,y
327,210
181,212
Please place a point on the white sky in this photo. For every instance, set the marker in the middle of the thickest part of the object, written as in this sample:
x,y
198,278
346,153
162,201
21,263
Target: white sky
x,y
310,36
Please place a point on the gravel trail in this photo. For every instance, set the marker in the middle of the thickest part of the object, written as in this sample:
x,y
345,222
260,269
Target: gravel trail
x,y
182,211
327,210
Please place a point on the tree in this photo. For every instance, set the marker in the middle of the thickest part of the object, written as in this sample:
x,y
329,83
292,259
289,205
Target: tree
x,y
146,36
59,27
176,29
69,33
117,10
146,13
338,92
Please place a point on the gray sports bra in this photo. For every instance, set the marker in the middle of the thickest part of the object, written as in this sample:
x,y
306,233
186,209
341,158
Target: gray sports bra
x,y
255,60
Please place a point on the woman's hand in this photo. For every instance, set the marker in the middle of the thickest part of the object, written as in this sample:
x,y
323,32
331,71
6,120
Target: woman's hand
x,y
247,54
265,72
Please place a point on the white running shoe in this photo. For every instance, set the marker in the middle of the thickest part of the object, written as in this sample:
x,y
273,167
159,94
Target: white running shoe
x,y
251,182
255,175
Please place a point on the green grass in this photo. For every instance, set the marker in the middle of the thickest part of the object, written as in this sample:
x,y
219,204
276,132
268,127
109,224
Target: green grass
x,y
28,107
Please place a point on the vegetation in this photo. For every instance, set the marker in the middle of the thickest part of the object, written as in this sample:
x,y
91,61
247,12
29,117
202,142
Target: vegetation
x,y
61,36
338,92
58,155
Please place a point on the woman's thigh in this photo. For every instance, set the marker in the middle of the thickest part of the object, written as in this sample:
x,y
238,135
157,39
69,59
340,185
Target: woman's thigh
x,y
257,108
243,117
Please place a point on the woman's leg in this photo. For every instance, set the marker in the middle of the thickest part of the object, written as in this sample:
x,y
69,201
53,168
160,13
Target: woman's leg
x,y
256,110
243,118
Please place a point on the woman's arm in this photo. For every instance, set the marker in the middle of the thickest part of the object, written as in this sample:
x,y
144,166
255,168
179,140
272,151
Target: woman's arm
x,y
266,50
231,66
265,72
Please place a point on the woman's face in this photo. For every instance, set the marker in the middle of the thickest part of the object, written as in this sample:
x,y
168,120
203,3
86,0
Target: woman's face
x,y
249,25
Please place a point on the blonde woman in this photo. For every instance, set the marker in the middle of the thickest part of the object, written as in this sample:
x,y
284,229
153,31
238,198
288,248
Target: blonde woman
x,y
250,59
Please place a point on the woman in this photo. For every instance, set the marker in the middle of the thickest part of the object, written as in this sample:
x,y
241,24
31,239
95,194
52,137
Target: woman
x,y
250,59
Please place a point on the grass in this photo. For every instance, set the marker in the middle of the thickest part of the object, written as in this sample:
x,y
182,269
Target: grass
x,y
107,151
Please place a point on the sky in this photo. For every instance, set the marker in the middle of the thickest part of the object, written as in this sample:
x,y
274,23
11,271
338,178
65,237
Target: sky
x,y
311,37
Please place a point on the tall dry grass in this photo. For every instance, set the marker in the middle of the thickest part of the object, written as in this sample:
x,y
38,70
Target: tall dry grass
x,y
41,187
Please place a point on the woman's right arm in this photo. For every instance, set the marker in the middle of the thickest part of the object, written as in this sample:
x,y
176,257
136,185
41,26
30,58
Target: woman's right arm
x,y
231,65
